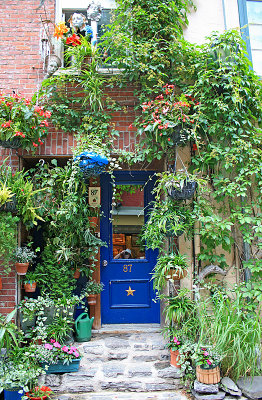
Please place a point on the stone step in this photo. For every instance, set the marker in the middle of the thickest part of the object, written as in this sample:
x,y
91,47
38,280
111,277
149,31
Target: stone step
x,y
164,395
135,361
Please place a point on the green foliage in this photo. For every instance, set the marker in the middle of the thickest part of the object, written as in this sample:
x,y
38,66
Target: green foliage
x,y
93,287
8,331
234,333
56,276
164,266
8,239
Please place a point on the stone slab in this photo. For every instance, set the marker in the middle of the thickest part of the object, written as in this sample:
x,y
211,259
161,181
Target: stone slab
x,y
214,396
251,388
204,388
230,387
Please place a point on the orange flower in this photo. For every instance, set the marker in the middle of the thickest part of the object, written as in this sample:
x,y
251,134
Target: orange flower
x,y
60,29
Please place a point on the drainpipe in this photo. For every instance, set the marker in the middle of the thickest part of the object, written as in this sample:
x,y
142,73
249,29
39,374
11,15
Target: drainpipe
x,y
224,14
246,251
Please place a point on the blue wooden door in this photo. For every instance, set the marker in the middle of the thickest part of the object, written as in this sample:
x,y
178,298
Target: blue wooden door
x,y
126,266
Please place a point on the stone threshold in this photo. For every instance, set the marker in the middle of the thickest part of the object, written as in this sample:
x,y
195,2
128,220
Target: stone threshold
x,y
165,395
127,328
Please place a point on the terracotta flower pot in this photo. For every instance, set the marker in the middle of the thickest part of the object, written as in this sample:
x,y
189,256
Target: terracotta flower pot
x,y
35,398
77,273
208,375
174,358
21,268
30,287
91,299
93,222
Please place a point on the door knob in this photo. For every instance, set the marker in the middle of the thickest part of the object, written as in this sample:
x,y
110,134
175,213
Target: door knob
x,y
104,263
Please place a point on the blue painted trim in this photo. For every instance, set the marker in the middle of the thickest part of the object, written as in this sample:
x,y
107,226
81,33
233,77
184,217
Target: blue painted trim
x,y
243,21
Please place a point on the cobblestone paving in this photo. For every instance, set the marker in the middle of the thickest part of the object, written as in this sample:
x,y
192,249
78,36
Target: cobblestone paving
x,y
115,363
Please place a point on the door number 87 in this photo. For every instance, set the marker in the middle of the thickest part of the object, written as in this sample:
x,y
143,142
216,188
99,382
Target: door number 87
x,y
127,267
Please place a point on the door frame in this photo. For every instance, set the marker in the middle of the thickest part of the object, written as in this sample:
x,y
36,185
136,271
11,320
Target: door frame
x,y
123,177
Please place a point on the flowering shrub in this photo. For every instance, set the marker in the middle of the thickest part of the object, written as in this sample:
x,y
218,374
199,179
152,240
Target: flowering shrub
x,y
69,37
42,393
167,112
54,352
21,119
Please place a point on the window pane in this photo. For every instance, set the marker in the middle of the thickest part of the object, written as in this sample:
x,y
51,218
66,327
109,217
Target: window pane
x,y
128,220
254,14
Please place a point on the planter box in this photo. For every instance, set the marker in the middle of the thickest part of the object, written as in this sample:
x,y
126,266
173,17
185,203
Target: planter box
x,y
61,368
13,395
208,376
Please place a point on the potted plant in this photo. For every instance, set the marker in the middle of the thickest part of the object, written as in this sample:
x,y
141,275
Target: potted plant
x,y
30,282
57,358
18,376
39,393
23,256
23,123
169,267
174,346
92,290
207,365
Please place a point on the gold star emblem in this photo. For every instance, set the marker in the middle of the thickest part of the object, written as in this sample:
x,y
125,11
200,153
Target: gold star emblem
x,y
130,292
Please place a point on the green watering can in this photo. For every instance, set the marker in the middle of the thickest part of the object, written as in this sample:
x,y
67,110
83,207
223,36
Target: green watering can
x,y
83,326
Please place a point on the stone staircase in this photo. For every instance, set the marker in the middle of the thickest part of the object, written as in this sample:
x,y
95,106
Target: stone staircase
x,y
120,358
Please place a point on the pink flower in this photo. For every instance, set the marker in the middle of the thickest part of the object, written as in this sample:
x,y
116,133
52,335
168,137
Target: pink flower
x,y
65,349
70,352
58,345
52,340
209,362
48,346
206,353
73,348
76,354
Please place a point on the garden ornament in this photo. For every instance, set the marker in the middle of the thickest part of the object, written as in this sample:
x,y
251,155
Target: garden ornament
x,y
91,164
77,21
52,63
210,269
94,10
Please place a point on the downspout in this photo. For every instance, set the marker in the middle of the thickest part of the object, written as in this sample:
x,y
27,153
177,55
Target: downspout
x,y
224,14
246,251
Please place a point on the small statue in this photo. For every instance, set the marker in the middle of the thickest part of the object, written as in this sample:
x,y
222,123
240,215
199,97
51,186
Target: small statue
x,y
52,63
77,21
94,11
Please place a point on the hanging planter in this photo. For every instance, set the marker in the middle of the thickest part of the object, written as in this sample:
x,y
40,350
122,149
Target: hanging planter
x,y
176,275
30,286
14,143
21,268
91,299
185,192
10,206
179,137
77,273
91,164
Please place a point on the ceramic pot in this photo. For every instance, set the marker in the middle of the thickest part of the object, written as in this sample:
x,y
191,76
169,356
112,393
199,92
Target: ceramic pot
x,y
21,268
91,299
174,358
208,375
30,287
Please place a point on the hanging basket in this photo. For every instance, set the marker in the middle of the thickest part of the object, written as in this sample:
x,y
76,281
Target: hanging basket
x,y
185,193
14,143
91,299
170,231
91,164
10,206
176,275
178,135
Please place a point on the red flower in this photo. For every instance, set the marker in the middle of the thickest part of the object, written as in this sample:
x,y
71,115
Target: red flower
x,y
44,123
74,40
48,114
34,144
194,147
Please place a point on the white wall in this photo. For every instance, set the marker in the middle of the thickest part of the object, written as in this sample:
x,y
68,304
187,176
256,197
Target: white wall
x,y
211,16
